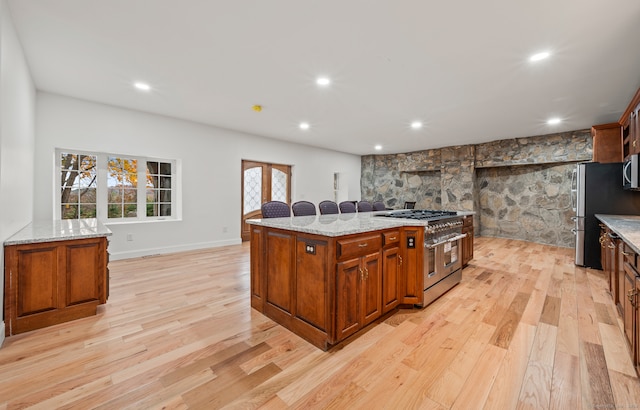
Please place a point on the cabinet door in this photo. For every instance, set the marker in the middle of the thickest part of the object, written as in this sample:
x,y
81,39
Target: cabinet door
x,y
628,303
620,294
83,275
412,281
391,273
349,274
280,271
258,279
35,293
371,288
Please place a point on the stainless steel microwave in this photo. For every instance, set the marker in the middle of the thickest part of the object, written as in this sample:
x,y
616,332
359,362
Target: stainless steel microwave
x,y
631,173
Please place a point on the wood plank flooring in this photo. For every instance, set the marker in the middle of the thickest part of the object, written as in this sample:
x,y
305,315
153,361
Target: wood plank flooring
x,y
525,329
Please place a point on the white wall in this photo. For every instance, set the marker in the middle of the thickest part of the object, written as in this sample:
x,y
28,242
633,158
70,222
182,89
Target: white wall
x,y
211,169
17,105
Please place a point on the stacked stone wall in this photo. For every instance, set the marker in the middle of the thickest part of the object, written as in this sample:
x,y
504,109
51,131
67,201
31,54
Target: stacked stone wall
x,y
531,202
504,181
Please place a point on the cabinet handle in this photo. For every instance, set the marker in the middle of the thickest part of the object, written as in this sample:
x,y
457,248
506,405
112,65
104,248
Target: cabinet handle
x,y
625,253
366,277
400,260
630,295
393,238
611,246
361,274
363,245
634,143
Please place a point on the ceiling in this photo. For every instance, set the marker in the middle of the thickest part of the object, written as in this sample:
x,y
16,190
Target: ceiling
x,y
461,68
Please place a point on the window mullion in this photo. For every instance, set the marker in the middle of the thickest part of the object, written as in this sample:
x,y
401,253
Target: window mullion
x,y
142,188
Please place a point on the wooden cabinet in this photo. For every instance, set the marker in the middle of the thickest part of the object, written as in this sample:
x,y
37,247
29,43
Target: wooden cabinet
x,y
412,283
630,124
326,288
391,274
629,286
359,296
611,261
53,282
392,271
467,241
607,142
628,304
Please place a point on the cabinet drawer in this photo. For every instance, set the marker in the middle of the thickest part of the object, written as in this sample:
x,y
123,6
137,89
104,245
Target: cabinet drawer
x,y
359,245
390,238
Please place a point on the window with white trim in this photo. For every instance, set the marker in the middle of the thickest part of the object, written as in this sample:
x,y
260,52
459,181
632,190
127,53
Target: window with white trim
x,y
109,187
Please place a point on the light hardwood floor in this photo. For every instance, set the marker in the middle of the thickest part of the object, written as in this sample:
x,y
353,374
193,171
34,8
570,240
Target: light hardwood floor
x,y
524,329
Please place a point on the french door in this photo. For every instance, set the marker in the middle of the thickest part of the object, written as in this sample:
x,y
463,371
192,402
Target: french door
x,y
262,182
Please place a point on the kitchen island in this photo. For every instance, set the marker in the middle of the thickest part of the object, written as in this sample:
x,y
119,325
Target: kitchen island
x,y
55,271
326,277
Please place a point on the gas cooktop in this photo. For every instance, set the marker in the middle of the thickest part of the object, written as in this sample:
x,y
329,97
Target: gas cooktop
x,y
421,214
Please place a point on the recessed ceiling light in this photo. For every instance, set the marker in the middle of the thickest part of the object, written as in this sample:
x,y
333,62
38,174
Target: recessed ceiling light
x,y
304,125
323,81
416,125
539,56
142,86
378,147
554,121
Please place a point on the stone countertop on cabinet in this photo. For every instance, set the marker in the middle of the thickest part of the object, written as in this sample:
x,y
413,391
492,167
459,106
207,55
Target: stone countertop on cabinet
x,y
625,226
59,230
340,224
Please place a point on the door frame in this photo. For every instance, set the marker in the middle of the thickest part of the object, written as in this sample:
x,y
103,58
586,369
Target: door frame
x,y
266,190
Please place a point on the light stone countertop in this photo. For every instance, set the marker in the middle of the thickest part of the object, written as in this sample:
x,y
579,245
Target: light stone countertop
x,y
60,230
626,226
339,224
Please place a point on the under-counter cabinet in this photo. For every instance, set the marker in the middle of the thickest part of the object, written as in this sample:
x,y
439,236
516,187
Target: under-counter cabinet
x,y
359,297
467,241
47,283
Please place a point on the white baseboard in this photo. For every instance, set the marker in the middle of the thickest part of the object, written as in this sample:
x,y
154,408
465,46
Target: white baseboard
x,y
114,256
2,335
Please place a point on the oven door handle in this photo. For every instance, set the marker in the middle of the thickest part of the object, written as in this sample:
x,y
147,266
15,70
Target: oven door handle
x,y
455,238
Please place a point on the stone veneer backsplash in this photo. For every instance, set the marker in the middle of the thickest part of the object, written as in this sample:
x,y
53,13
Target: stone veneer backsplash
x,y
505,182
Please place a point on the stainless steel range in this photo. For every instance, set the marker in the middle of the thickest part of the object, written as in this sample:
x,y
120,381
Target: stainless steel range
x,y
442,259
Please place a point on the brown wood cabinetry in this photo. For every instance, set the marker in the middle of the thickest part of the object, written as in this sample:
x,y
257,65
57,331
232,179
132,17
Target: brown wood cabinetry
x,y
392,271
630,124
467,241
359,296
612,263
326,288
53,282
412,251
629,284
607,142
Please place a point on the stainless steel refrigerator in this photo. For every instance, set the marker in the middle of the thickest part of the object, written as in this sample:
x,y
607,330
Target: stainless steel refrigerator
x,y
597,189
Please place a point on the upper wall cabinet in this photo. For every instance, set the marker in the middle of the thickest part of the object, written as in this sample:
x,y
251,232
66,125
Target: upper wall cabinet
x,y
607,142
631,128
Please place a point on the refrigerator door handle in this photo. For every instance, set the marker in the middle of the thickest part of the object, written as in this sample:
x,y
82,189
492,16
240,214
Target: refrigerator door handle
x,y
574,190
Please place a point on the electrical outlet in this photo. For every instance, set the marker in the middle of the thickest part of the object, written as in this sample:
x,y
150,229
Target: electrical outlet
x,y
130,237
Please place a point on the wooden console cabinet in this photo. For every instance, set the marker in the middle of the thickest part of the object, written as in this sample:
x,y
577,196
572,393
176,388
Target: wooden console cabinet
x,y
47,283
